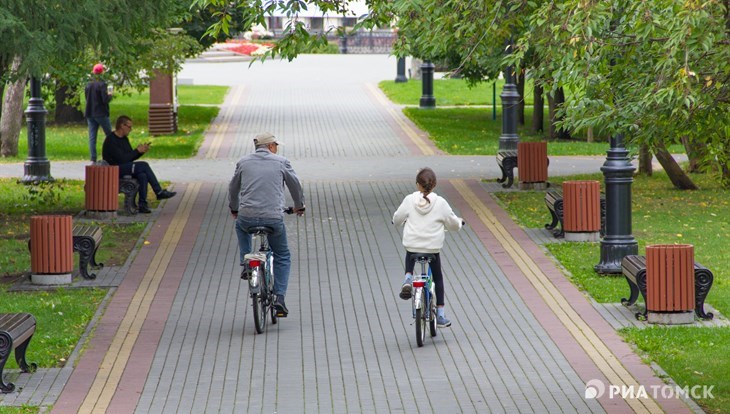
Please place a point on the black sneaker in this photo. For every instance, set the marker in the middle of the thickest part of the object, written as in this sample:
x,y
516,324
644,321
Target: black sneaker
x,y
165,194
280,307
144,209
406,291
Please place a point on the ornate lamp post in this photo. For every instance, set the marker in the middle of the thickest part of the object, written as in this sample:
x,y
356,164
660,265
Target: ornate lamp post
x,y
618,176
401,76
37,167
510,99
427,98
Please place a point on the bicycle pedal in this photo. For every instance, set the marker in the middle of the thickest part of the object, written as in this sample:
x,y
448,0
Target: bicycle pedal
x,y
281,315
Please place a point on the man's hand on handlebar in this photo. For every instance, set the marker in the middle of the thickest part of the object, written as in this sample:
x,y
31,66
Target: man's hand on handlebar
x,y
299,211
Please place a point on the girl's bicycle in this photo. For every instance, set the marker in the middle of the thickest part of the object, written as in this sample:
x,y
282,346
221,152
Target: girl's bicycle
x,y
424,298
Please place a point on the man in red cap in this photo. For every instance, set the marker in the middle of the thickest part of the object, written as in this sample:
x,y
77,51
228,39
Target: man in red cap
x,y
98,96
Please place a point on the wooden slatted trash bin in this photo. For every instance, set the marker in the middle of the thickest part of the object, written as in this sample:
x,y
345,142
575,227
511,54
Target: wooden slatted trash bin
x,y
51,250
532,165
102,191
670,284
582,210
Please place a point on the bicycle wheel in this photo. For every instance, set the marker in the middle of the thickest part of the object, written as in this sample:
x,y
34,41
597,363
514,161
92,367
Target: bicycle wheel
x,y
421,322
259,307
432,322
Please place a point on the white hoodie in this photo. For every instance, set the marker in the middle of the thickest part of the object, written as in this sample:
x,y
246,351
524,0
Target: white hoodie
x,y
425,222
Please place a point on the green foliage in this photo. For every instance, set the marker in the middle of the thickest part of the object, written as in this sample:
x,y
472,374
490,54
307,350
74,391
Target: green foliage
x,y
45,192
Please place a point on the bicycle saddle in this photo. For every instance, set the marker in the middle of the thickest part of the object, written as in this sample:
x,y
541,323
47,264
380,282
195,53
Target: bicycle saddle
x,y
259,229
428,257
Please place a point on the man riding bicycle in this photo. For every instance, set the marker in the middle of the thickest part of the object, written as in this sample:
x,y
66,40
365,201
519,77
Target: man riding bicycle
x,y
256,198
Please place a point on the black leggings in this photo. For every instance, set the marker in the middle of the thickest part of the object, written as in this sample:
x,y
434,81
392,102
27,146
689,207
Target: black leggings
x,y
438,277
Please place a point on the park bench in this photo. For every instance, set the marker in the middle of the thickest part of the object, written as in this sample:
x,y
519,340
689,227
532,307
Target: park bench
x,y
86,241
16,329
507,162
554,203
633,268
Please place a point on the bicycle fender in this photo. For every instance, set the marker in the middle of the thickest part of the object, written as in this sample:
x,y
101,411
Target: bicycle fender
x,y
417,297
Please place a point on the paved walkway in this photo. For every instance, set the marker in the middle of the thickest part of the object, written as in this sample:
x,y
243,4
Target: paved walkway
x,y
176,335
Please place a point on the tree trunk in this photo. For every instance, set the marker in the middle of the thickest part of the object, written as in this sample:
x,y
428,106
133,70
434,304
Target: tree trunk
x,y
538,110
645,158
589,135
552,131
520,84
12,119
559,101
696,154
66,113
675,173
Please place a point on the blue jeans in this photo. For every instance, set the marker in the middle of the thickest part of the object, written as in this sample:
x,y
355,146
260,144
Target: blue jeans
x,y
94,124
144,175
277,242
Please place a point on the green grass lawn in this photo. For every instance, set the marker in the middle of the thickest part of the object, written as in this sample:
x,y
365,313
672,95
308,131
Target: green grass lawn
x,y
198,107
661,215
449,92
472,131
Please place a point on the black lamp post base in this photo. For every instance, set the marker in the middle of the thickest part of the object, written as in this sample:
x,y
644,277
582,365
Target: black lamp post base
x,y
613,253
427,102
36,171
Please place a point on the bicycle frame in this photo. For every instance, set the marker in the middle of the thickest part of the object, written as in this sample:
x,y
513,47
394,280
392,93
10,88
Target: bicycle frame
x,y
423,285
261,280
424,307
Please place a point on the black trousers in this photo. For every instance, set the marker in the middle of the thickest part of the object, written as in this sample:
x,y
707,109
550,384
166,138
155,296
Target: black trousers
x,y
438,277
141,171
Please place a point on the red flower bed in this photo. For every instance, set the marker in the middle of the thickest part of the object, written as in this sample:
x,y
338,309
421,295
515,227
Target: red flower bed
x,y
244,49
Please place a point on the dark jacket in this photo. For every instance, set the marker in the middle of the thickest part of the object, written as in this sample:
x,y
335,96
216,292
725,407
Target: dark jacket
x,y
97,99
118,151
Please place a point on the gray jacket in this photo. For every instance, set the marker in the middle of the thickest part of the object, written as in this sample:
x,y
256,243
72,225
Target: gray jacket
x,y
257,187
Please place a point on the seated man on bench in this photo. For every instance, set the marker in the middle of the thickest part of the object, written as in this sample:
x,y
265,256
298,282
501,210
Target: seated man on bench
x,y
118,151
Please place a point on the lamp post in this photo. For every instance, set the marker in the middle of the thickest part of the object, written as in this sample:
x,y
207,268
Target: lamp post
x,y
427,98
510,99
37,167
618,176
401,76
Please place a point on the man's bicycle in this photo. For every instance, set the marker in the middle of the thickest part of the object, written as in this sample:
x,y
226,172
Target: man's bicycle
x,y
261,277
260,265
424,298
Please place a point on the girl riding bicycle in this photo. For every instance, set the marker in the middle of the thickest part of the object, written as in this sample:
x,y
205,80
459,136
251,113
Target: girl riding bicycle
x,y
425,217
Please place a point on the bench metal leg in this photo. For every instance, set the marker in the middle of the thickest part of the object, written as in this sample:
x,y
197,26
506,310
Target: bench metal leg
x,y
20,357
6,346
129,189
508,166
86,246
633,295
554,222
703,283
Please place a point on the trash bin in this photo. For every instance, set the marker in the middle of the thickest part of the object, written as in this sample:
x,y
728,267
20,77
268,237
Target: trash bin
x,y
102,190
51,250
582,210
532,165
670,285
